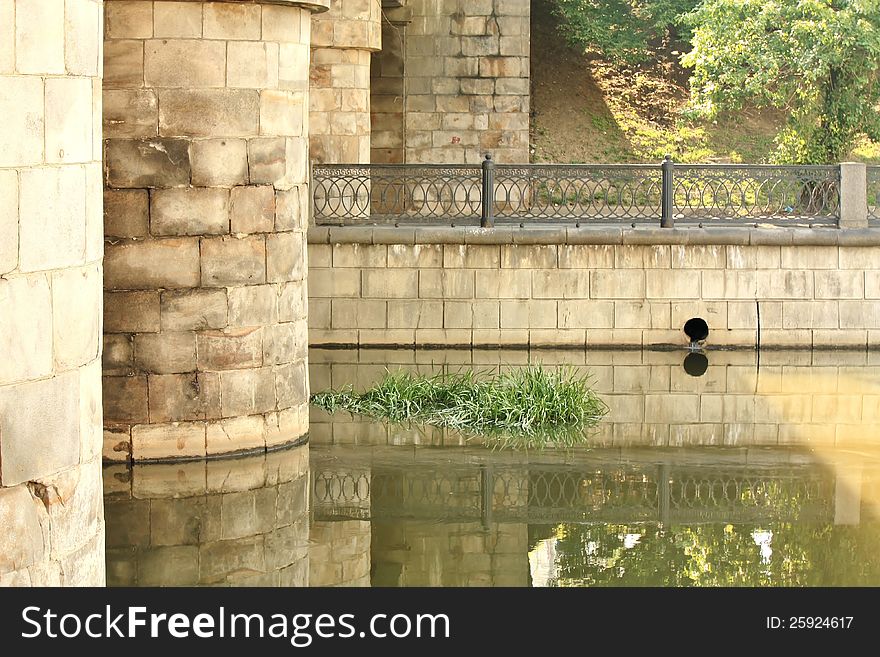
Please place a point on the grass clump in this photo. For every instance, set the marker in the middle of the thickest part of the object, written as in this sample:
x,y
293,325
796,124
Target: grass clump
x,y
527,407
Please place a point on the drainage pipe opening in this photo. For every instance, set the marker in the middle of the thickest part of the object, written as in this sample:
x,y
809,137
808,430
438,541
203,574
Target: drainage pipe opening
x,y
696,329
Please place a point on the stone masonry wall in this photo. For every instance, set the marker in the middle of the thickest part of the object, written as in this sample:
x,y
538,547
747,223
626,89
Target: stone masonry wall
x,y
220,523
51,509
467,81
206,150
342,41
541,288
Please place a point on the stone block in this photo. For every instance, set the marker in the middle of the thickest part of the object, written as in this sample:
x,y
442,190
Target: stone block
x,y
165,353
327,283
506,284
446,284
8,221
233,261
281,113
39,36
853,314
219,162
252,65
230,349
208,112
231,21
128,19
193,310
267,160
54,234
292,208
69,110
147,163
255,305
560,284
252,209
415,256
674,284
125,399
390,284
471,256
359,255
123,63
421,314
285,257
118,355
617,284
247,392
126,213
358,313
528,314
131,312
585,314
784,284
586,256
25,539
235,435
76,316
166,263
293,301
39,428
839,284
177,19
291,379
189,211
168,441
281,24
184,63
25,328
182,398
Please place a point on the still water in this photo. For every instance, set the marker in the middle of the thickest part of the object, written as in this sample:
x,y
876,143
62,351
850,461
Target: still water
x,y
749,474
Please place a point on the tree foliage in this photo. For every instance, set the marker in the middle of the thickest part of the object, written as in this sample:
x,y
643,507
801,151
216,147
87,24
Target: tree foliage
x,y
620,30
816,59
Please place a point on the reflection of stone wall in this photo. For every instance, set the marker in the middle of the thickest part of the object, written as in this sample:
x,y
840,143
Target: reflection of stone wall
x,y
50,293
340,553
241,523
206,124
414,553
431,289
798,398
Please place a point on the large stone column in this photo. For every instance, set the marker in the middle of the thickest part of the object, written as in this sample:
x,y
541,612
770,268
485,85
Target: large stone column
x,y
343,40
206,202
51,511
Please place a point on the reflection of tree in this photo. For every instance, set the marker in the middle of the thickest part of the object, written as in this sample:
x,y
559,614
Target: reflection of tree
x,y
717,555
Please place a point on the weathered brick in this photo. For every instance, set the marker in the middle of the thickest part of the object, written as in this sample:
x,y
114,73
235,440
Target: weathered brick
x,y
165,353
233,260
147,163
131,312
126,213
193,310
189,211
167,263
230,349
253,209
219,162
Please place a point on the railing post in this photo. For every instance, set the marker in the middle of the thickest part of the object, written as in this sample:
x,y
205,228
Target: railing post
x,y
853,195
667,194
487,220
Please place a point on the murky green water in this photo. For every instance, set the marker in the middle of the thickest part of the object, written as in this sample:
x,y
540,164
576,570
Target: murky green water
x,y
761,474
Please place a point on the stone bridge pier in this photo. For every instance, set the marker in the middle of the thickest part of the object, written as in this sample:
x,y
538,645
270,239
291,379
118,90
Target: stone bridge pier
x,y
51,511
206,202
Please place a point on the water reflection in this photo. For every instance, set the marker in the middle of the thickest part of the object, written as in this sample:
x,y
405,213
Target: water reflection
x,y
397,516
740,477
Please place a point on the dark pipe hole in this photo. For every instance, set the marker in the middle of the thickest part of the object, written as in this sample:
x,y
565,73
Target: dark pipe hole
x,y
696,364
696,329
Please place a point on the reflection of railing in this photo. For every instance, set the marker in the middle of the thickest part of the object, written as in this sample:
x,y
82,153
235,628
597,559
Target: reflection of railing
x,y
528,193
874,194
545,494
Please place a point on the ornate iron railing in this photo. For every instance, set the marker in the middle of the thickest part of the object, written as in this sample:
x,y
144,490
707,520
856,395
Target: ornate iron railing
x,y
546,494
874,194
609,193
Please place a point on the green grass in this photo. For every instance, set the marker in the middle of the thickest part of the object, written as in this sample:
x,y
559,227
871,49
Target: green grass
x,y
526,408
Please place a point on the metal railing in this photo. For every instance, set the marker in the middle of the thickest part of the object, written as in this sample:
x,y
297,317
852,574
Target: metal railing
x,y
874,194
578,193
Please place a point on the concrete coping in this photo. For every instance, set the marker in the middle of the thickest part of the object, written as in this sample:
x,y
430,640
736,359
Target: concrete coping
x,y
607,234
